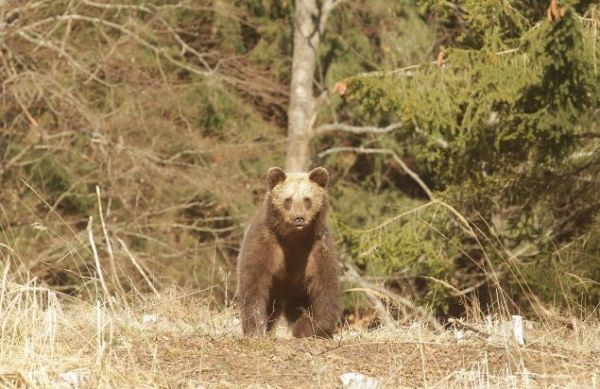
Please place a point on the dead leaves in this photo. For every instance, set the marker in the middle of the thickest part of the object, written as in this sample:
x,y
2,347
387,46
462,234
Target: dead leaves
x,y
555,11
339,88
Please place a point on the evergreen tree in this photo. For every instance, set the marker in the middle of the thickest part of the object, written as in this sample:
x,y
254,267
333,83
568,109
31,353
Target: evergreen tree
x,y
503,126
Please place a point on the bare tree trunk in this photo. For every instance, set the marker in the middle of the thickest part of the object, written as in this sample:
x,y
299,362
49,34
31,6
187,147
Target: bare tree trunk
x,y
302,100
309,23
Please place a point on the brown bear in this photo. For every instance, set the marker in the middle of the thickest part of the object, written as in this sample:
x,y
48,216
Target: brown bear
x,y
288,262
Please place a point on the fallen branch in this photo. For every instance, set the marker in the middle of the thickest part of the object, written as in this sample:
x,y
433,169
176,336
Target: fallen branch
x,y
455,292
111,257
139,268
468,326
107,295
377,292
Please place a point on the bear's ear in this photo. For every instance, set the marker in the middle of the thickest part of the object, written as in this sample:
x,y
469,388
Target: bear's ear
x,y
320,176
275,176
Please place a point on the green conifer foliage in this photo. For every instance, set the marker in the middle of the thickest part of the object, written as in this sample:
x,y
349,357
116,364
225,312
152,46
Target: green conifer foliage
x,y
503,127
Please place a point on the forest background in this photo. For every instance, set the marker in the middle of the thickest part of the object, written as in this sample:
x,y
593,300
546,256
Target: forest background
x,y
462,140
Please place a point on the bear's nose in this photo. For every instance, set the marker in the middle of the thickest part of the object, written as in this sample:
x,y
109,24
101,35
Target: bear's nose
x,y
299,220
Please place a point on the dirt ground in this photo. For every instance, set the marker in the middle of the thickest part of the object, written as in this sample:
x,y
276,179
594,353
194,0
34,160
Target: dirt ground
x,y
290,363
172,344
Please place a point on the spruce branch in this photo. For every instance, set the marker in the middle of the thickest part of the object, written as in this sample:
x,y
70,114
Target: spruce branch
x,y
409,71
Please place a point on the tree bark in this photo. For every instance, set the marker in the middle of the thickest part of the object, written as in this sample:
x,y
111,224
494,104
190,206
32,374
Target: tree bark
x,y
309,22
301,109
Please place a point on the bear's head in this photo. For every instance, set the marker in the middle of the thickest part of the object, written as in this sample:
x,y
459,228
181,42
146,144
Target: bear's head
x,y
298,197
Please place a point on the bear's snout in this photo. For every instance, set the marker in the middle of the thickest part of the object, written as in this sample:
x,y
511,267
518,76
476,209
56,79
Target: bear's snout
x,y
299,221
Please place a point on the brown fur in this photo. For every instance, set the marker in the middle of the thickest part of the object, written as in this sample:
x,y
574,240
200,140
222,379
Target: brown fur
x,y
288,270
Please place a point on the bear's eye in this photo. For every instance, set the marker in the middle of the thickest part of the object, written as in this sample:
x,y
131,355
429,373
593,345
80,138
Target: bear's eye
x,y
287,202
307,203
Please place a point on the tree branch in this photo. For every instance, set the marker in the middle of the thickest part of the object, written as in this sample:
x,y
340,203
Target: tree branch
x,y
98,21
331,4
356,129
326,8
443,143
395,156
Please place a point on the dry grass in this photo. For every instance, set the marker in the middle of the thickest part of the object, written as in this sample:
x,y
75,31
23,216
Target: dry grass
x,y
51,340
122,335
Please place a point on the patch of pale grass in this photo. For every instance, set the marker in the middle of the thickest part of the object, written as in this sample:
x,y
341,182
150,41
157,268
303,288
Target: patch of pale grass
x,y
52,340
177,339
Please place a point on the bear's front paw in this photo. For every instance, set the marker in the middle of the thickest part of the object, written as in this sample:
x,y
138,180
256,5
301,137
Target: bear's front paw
x,y
303,327
306,327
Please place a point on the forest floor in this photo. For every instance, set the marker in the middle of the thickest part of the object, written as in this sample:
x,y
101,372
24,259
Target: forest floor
x,y
179,341
289,363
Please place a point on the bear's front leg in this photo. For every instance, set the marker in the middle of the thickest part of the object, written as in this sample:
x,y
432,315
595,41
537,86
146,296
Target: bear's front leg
x,y
324,295
320,321
323,316
254,300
